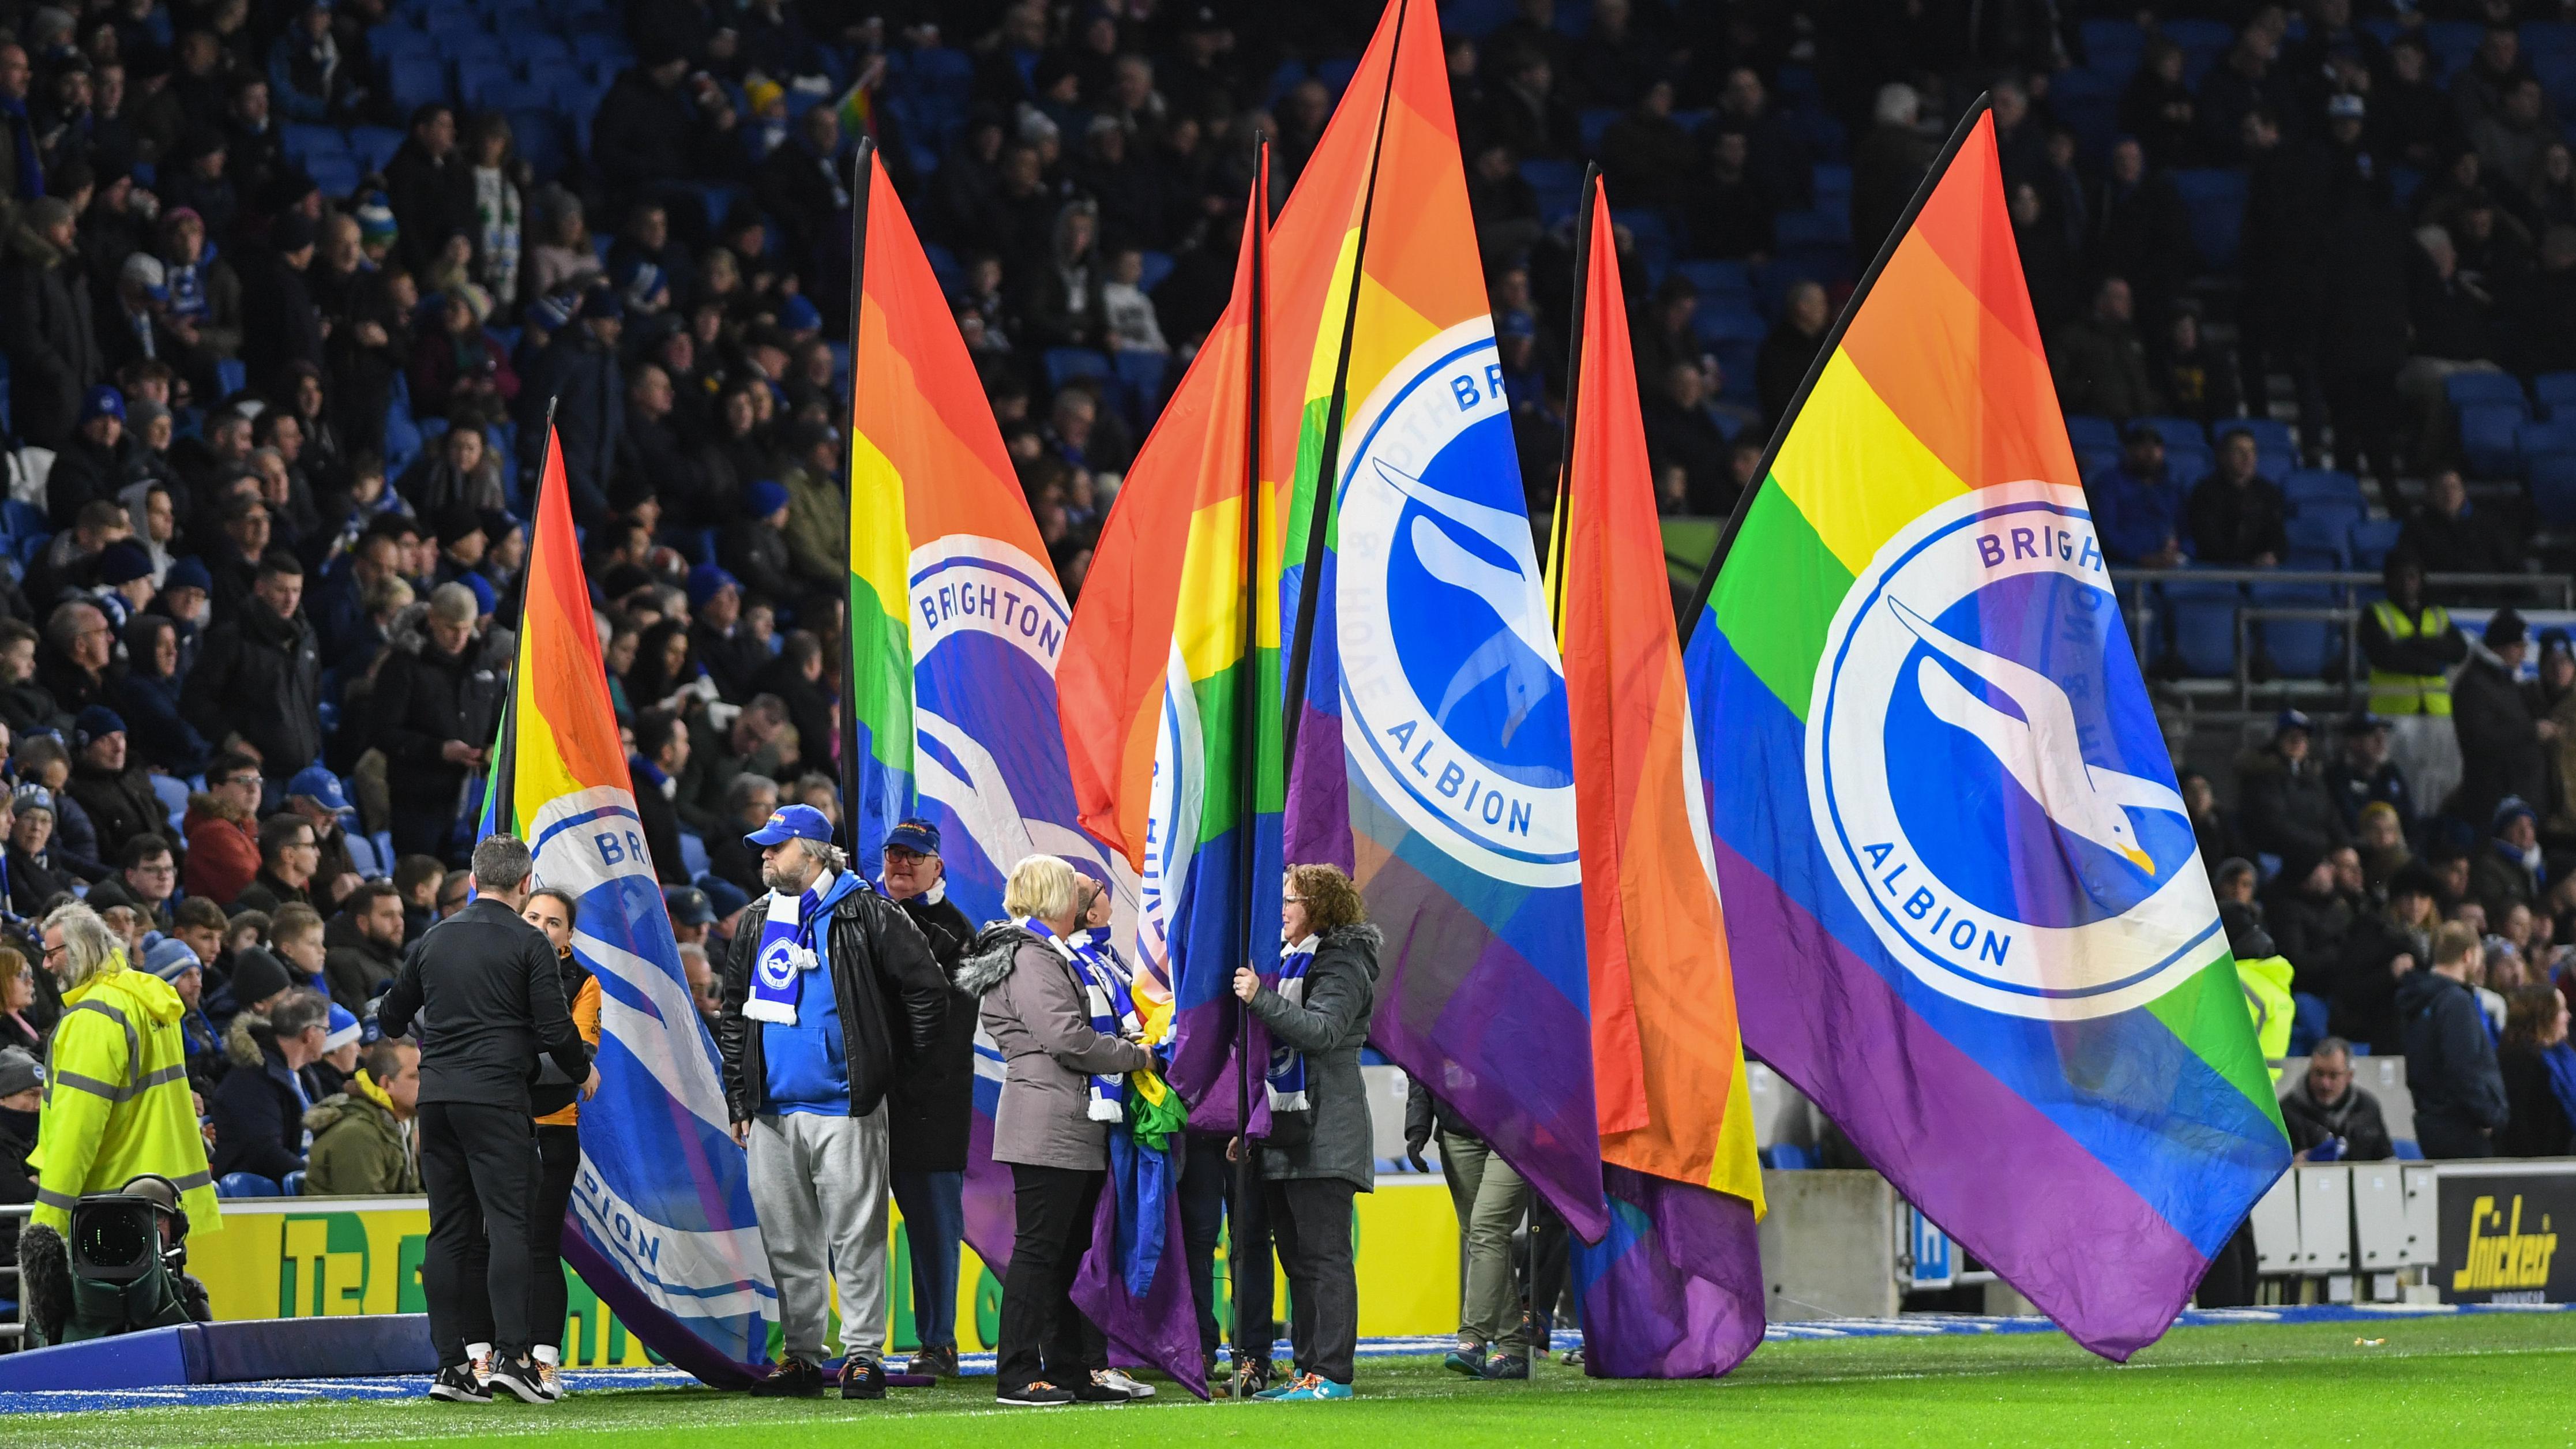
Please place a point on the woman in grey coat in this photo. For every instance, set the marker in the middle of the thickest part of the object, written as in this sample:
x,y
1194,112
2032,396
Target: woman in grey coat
x,y
1035,1005
1319,1152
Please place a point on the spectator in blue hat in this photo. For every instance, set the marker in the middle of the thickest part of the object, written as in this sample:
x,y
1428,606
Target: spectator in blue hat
x,y
731,655
317,795
2138,505
2511,870
2363,775
755,545
330,1072
114,790
170,958
92,462
931,1105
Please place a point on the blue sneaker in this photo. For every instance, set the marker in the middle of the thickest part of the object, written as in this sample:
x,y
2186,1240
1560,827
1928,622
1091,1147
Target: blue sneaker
x,y
1312,1389
1467,1358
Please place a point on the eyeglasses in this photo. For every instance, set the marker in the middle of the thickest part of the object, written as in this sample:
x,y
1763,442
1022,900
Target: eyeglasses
x,y
165,868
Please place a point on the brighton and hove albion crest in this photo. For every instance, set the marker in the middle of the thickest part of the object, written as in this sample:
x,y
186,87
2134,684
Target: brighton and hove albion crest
x,y
1987,776
1452,691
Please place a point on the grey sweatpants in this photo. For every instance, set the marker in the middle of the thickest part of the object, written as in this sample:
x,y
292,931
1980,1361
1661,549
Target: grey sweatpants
x,y
819,1184
1490,1199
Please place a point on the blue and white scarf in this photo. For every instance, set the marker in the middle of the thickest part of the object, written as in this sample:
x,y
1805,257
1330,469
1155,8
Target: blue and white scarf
x,y
792,944
188,284
1111,1002
1285,1082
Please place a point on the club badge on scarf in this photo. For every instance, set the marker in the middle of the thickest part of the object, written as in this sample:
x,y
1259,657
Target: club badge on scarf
x,y
787,951
1112,1007
1285,1082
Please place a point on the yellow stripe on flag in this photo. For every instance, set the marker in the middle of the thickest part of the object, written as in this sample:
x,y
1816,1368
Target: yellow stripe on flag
x,y
1854,470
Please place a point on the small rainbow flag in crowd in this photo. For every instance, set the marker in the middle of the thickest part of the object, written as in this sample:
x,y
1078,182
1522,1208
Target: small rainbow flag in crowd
x,y
1675,1290
1968,914
661,1224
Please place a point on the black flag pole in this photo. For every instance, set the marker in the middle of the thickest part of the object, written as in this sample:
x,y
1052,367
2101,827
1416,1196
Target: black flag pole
x,y
1247,682
501,767
1824,354
862,173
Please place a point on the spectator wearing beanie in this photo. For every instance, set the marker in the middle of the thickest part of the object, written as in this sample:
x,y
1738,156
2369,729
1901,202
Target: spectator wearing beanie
x,y
110,785
259,979
329,1074
170,958
223,840
755,545
92,461
281,326
32,882
437,701
732,656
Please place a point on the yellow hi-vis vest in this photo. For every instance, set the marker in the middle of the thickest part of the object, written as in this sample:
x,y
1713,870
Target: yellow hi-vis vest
x,y
116,1101
2266,983
2409,693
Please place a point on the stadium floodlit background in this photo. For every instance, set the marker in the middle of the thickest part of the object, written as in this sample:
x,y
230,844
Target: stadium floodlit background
x,y
330,264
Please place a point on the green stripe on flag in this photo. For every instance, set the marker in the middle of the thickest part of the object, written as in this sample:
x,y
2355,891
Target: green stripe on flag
x,y
881,673
1776,599
2207,1012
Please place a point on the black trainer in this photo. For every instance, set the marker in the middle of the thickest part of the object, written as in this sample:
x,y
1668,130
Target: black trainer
x,y
1087,1392
934,1363
1038,1395
794,1379
518,1378
457,1385
862,1378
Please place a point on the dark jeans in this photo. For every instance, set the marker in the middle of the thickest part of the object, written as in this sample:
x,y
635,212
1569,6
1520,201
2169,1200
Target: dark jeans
x,y
1248,1264
2442,1138
1311,1219
479,1166
1205,1179
558,1162
934,1223
2234,1274
1043,1335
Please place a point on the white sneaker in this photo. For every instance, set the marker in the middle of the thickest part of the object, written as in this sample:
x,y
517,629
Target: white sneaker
x,y
482,1367
1120,1380
550,1379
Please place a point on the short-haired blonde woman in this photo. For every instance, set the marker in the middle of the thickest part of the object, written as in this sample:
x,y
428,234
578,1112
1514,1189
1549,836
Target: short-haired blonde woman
x,y
1053,1012
1318,1155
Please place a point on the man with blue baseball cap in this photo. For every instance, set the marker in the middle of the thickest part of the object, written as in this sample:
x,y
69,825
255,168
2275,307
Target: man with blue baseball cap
x,y
821,1005
933,1103
317,795
116,791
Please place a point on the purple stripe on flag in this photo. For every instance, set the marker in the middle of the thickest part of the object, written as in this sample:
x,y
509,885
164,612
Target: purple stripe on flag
x,y
992,1205
1214,1109
1316,828
1675,1290
1162,1331
1463,1012
2017,1192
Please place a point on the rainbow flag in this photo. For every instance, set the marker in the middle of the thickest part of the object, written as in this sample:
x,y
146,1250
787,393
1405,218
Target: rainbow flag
x,y
1170,692
1429,750
956,627
1675,1290
661,1225
1968,915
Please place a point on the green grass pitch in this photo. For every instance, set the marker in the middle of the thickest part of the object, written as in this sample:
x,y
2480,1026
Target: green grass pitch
x,y
2408,1383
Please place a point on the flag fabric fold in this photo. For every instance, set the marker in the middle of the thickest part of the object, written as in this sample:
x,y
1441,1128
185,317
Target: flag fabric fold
x,y
1429,752
661,1224
1169,692
1968,915
957,625
1675,1289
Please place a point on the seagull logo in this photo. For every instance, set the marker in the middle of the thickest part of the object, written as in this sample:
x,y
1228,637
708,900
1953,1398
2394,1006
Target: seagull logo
x,y
2040,750
1519,649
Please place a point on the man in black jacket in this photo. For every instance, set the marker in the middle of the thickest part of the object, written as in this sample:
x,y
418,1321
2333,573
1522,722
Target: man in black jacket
x,y
930,1108
259,676
822,1006
2326,1107
2500,743
2450,1060
661,753
484,986
258,1108
2285,804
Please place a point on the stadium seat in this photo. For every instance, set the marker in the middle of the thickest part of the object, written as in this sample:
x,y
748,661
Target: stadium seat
x,y
2553,488
302,143
173,795
337,174
2371,541
1594,120
362,854
1156,267
246,1184
1715,278
293,1183
374,145
415,80
2487,437
231,376
2545,435
2407,1149
2270,434
2115,46
2298,648
1475,19
2308,1025
2488,388
2086,431
693,854
1728,322
1140,385
2201,624
539,137
2555,390
2184,433
20,520
2214,200
1811,228
1787,1157
1064,364
2319,533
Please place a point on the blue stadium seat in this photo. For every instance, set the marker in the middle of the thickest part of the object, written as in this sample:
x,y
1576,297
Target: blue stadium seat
x,y
1811,228
2269,433
2319,535
2201,622
293,1182
2214,199
2492,389
529,46
2407,1149
1717,279
2299,648
1559,185
2088,101
693,854
19,520
1475,19
1156,267
1727,321
2304,485
539,137
2371,541
2308,1024
1287,77
245,1184
1653,232
2115,46
337,174
596,47
2487,437
560,77
2553,488
302,143
231,376
1787,1157
2551,435
2179,432
1140,381
1064,364
172,792
2555,390
1594,120
2086,431
415,80
374,145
